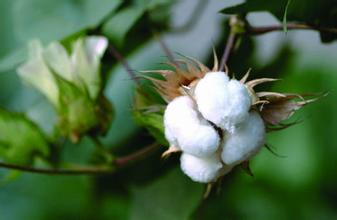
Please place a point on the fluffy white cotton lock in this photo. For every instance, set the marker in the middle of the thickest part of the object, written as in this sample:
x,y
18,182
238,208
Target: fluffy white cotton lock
x,y
211,96
245,142
222,101
201,169
238,105
199,140
185,129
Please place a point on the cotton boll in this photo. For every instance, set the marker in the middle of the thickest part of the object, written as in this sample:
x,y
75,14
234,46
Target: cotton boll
x,y
184,128
199,140
212,97
170,137
246,141
222,101
180,112
238,105
200,169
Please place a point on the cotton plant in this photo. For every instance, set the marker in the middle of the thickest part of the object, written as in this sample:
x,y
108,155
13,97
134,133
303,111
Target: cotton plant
x,y
72,83
217,122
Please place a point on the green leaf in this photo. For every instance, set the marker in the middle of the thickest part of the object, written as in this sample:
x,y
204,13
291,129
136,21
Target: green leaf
x,y
20,138
117,27
149,114
307,11
173,196
57,19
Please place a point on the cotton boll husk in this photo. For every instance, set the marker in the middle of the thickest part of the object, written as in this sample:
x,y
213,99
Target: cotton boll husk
x,y
201,169
184,128
245,142
212,97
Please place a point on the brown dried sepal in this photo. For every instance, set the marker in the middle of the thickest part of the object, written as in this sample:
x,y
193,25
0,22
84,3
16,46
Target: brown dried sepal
x,y
183,74
170,150
280,107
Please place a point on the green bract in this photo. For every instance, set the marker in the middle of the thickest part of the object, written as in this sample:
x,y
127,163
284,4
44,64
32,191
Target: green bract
x,y
71,82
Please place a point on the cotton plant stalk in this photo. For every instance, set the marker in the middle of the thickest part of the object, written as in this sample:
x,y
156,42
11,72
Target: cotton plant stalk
x,y
215,121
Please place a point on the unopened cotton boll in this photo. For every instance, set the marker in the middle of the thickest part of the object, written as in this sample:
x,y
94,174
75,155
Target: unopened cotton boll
x,y
185,129
201,169
245,142
222,101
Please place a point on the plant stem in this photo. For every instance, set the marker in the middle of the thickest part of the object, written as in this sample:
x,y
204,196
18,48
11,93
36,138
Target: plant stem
x,y
228,49
82,170
165,48
115,53
290,26
53,171
122,161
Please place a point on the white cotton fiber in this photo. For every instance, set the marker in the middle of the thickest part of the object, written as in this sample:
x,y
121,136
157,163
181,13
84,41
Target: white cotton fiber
x,y
222,101
212,97
203,170
199,140
185,129
238,105
245,142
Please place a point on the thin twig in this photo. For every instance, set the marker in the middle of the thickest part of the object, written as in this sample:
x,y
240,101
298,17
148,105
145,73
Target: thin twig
x,y
121,161
165,48
68,171
115,53
82,170
228,49
290,26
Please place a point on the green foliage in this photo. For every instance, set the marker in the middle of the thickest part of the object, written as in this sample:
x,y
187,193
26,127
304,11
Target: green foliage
x,y
54,20
149,114
306,11
301,185
20,139
119,25
171,197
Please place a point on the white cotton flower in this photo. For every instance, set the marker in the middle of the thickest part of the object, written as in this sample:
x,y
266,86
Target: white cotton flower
x,y
245,142
86,62
222,101
37,74
80,68
185,129
201,169
58,59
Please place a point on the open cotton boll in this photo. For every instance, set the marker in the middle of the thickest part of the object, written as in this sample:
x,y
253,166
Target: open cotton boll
x,y
238,105
222,101
184,128
201,169
246,141
212,97
199,140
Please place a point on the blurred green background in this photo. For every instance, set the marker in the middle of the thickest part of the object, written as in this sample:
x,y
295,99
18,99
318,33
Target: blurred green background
x,y
302,184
